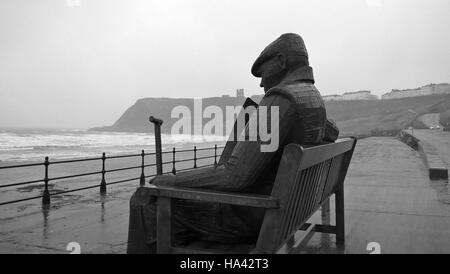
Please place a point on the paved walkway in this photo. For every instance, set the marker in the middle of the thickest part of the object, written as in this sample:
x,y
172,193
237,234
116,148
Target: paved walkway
x,y
99,225
389,200
431,119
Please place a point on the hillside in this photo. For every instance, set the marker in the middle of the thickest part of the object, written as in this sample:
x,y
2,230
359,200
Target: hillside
x,y
384,117
135,118
358,117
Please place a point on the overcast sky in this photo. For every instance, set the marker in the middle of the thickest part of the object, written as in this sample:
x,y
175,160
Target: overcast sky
x,y
78,64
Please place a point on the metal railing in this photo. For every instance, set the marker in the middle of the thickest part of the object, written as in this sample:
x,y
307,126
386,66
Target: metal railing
x,y
103,184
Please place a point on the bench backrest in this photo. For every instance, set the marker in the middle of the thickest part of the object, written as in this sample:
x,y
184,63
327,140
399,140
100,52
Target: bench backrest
x,y
305,179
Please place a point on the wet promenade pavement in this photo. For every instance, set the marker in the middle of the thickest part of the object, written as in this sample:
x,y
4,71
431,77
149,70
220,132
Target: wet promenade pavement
x,y
98,224
389,199
439,140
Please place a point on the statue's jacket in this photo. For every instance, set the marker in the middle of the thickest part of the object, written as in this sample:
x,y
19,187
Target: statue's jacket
x,y
246,169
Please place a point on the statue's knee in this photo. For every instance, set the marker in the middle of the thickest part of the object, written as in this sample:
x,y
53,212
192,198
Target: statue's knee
x,y
142,197
142,223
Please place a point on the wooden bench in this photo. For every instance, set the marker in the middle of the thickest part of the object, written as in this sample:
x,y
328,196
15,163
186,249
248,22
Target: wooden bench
x,y
305,180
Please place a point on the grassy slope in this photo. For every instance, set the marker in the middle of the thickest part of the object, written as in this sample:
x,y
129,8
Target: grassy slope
x,y
380,117
445,118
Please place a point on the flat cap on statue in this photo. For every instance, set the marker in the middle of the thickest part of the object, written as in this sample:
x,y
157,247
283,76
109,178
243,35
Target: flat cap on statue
x,y
287,44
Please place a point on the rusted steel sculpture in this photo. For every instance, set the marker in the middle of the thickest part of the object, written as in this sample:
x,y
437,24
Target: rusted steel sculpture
x,y
288,82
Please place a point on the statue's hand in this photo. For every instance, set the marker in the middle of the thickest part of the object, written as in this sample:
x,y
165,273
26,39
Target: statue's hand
x,y
163,180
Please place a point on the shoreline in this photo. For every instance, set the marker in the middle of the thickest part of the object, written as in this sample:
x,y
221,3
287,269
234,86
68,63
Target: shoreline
x,y
15,175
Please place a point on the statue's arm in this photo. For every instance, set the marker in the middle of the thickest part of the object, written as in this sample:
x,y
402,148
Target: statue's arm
x,y
229,146
331,131
246,162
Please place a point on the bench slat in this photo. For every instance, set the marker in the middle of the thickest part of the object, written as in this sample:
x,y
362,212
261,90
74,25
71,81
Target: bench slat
x,y
317,154
305,179
293,208
214,196
315,185
333,176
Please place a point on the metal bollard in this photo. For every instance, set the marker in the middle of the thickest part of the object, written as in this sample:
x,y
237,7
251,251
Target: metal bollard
x,y
174,171
195,157
215,155
142,180
46,194
103,182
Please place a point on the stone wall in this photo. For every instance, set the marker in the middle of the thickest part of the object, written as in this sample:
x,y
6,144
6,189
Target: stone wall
x,y
436,168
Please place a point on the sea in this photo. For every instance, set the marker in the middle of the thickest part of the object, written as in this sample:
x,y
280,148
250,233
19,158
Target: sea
x,y
30,145
21,188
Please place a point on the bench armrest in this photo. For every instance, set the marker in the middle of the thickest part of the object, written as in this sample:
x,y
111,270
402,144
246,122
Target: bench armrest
x,y
206,195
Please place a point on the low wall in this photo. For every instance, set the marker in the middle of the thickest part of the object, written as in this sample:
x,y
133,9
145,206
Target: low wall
x,y
436,167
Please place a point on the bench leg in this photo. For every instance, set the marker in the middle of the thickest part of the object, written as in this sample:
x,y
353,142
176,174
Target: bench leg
x,y
325,212
164,226
340,219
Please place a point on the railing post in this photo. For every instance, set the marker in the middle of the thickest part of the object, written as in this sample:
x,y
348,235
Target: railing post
x,y
174,171
46,195
142,180
158,123
215,154
195,156
103,183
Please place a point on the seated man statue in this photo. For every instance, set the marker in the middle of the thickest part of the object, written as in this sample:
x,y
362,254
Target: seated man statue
x,y
288,83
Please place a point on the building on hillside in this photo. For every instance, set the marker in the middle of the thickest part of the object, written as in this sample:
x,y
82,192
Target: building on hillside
x,y
431,89
359,95
333,97
240,92
349,96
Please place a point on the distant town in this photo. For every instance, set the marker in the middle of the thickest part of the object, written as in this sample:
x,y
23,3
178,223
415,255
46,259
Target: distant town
x,y
431,89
